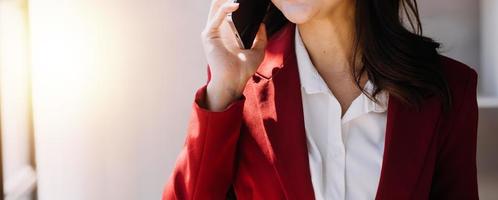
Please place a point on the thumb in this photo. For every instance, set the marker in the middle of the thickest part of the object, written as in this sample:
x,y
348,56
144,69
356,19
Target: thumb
x,y
261,38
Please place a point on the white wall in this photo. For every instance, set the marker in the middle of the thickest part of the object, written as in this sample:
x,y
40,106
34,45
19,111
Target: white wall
x,y
113,84
15,118
455,24
489,27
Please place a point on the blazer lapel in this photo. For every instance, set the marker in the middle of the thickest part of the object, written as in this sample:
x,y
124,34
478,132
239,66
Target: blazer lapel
x,y
279,100
409,137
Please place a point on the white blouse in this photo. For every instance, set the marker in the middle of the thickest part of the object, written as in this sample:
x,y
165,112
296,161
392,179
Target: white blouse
x,y
345,154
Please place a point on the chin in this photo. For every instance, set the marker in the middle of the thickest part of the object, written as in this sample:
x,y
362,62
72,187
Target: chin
x,y
297,13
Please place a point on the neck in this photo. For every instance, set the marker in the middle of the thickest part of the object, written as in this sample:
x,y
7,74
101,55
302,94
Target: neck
x,y
329,39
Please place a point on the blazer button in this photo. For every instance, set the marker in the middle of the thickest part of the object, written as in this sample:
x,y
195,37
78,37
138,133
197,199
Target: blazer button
x,y
256,78
275,70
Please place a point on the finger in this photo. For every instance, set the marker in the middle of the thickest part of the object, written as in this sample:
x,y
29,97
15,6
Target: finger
x,y
261,38
215,5
220,15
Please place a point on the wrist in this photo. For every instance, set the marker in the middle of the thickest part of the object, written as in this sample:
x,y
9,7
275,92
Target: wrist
x,y
219,96
225,89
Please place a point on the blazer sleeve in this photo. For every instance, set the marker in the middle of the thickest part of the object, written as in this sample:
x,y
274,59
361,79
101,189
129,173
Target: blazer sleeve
x,y
455,175
205,167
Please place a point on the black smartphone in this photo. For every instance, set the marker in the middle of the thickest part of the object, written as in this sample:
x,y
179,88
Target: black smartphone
x,y
245,21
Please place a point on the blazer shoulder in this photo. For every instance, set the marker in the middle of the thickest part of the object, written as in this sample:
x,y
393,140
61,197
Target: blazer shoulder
x,y
462,80
457,73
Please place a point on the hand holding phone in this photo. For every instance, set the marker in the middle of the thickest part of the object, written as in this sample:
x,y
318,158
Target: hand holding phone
x,y
230,66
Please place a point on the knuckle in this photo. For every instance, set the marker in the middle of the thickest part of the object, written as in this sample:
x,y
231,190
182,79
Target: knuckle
x,y
224,8
207,34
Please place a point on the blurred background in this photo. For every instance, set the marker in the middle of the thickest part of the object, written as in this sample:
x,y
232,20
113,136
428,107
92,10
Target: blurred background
x,y
95,94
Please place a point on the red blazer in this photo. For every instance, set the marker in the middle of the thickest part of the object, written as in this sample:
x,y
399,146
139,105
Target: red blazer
x,y
257,146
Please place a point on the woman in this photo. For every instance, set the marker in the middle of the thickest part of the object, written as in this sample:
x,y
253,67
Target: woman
x,y
338,100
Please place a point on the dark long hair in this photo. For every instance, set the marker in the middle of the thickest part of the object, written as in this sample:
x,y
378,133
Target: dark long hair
x,y
396,59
